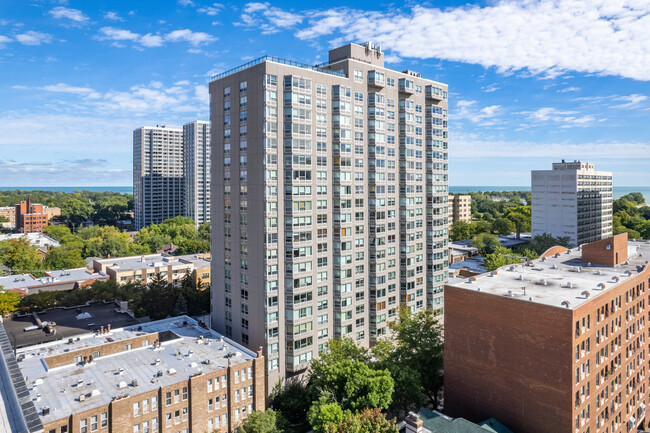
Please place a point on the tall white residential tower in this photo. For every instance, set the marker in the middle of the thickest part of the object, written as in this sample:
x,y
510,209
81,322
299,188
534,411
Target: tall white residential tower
x,y
196,144
572,200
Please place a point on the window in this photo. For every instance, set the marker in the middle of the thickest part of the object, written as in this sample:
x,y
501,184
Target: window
x,y
168,398
83,426
136,408
104,420
184,393
93,423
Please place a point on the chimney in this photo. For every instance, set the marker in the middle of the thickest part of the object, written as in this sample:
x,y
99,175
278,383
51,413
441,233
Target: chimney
x,y
413,423
108,328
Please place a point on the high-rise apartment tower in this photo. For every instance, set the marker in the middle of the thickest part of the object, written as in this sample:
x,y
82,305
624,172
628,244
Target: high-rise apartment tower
x,y
196,144
330,188
572,200
158,180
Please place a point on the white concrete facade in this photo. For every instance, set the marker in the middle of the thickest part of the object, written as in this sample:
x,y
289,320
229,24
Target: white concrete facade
x,y
196,144
572,200
158,179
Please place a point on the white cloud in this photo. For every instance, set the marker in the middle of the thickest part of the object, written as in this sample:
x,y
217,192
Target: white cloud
x,y
490,88
544,38
567,118
155,40
569,89
630,101
33,38
4,40
186,2
468,110
194,38
270,20
113,16
65,88
76,15
212,10
468,146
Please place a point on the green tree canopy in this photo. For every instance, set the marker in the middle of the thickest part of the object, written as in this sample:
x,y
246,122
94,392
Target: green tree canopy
x,y
485,243
64,257
21,257
9,301
366,421
268,421
503,226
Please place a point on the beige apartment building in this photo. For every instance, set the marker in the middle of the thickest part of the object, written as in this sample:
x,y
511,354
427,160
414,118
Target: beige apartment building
x,y
330,192
145,268
167,376
460,207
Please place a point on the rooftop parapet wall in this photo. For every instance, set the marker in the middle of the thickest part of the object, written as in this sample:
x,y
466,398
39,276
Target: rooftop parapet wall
x,y
607,252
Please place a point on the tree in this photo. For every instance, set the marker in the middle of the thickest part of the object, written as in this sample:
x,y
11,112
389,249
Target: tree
x,y
367,421
500,257
9,301
181,306
64,258
521,221
460,230
418,345
293,401
76,211
268,421
503,226
21,257
485,243
158,298
543,242
636,197
324,412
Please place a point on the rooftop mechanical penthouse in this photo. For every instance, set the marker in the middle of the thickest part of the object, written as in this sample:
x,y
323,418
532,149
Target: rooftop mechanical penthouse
x,y
555,345
330,193
166,376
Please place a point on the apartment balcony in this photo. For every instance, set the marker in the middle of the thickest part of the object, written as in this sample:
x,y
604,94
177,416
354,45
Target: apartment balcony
x,y
435,93
406,86
376,79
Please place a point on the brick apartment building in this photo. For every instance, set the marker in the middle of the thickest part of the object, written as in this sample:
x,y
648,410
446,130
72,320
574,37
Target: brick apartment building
x,y
555,345
33,217
167,376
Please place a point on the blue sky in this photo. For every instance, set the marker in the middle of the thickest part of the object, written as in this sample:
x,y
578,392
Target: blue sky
x,y
530,82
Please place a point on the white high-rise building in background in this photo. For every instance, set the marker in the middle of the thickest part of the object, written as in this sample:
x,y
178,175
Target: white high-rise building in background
x,y
331,195
572,200
158,179
171,173
196,144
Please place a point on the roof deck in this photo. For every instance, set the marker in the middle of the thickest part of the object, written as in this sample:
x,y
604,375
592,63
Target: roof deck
x,y
562,280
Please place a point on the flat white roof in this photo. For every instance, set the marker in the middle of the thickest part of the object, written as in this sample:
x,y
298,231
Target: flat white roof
x,y
554,280
59,388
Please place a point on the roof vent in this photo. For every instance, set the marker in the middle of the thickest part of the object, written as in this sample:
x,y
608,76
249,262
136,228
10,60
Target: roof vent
x,y
588,264
511,268
569,285
586,294
543,259
193,365
509,293
94,393
478,289
556,255
46,410
554,266
521,277
628,273
134,382
82,397
566,303
543,282
121,384
530,299
615,279
171,371
159,373
601,286
599,272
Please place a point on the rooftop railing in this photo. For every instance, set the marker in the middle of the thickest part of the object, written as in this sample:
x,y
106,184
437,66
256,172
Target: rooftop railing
x,y
276,60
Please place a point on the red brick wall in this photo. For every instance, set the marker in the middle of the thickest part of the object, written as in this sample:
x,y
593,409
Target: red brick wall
x,y
509,359
597,252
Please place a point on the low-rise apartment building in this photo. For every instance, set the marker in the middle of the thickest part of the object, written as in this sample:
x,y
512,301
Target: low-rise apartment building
x,y
33,217
145,268
554,345
166,376
59,280
460,207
